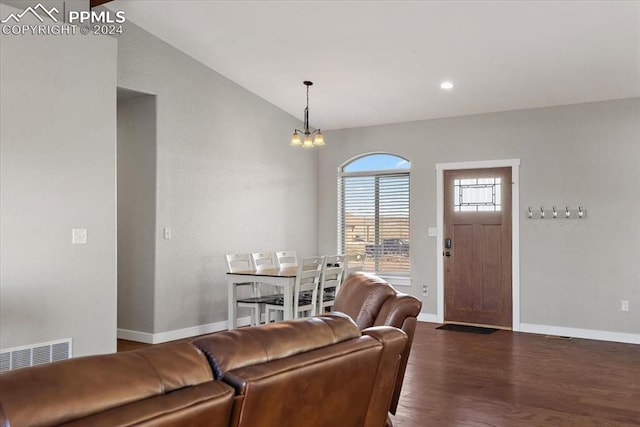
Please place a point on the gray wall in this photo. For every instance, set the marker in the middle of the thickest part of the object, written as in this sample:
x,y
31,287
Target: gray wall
x,y
573,274
227,181
57,163
136,209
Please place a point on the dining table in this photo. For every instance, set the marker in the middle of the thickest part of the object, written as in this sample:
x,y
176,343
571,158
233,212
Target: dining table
x,y
284,278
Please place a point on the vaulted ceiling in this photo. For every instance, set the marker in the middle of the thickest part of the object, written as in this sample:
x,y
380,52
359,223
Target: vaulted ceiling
x,y
376,62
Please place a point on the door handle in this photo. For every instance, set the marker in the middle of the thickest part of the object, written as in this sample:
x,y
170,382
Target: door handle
x,y
447,254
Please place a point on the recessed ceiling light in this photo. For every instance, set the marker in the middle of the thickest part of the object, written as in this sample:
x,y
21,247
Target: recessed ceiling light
x,y
446,85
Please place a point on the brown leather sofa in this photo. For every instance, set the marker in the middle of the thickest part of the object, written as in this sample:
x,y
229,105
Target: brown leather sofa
x,y
371,301
320,371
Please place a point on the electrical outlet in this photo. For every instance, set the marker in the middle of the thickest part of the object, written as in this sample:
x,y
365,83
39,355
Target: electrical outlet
x,y
79,236
624,305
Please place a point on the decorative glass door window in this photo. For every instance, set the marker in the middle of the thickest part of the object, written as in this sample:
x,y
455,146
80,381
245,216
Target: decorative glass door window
x,y
477,195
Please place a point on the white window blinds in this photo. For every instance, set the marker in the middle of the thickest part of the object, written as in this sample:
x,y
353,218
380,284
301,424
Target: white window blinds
x,y
374,220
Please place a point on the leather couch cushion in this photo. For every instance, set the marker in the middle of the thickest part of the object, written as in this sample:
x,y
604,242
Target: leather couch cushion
x,y
205,405
63,391
250,346
178,365
329,386
361,296
396,311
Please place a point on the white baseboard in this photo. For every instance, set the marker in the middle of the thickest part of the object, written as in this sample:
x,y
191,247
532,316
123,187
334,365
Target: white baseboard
x,y
581,333
177,334
591,334
428,317
126,334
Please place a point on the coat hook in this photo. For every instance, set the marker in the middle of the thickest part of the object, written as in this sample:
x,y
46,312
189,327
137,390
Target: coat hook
x,y
530,212
541,211
555,212
580,212
567,214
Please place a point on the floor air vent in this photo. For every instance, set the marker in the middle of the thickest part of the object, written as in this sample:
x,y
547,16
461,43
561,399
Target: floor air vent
x,y
558,337
36,354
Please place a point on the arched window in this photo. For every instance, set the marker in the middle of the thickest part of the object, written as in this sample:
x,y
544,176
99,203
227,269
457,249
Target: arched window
x,y
373,212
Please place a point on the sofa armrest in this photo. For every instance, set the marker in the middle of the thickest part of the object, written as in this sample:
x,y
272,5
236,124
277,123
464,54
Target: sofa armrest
x,y
400,311
394,342
371,301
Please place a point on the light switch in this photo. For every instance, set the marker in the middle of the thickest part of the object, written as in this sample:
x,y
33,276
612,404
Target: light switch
x,y
167,233
624,306
432,232
79,236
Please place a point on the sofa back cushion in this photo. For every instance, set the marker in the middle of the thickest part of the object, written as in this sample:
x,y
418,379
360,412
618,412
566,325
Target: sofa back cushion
x,y
250,346
64,391
398,310
329,386
204,405
361,296
178,365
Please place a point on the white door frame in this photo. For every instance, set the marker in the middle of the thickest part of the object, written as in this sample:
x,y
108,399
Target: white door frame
x,y
515,229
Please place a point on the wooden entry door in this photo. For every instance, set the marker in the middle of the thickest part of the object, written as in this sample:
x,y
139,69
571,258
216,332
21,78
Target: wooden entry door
x,y
477,246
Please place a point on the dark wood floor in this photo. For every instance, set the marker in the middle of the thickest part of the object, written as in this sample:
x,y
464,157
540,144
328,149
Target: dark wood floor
x,y
124,345
515,379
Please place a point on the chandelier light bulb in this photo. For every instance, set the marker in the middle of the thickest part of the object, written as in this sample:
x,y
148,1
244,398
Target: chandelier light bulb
x,y
308,143
296,141
318,141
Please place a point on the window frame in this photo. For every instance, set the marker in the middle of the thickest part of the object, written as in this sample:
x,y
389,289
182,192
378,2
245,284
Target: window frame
x,y
395,279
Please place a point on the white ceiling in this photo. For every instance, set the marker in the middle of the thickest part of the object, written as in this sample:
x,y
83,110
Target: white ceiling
x,y
376,62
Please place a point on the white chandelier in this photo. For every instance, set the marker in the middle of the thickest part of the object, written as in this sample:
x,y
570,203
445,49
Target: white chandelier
x,y
297,139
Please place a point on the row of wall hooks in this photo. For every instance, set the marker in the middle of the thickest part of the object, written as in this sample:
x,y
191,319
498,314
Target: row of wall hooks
x,y
555,213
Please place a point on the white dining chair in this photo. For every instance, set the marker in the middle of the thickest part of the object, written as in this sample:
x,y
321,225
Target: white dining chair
x,y
330,280
266,260
256,301
263,260
305,292
287,259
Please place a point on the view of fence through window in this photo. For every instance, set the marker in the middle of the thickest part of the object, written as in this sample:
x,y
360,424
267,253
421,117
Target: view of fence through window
x,y
374,212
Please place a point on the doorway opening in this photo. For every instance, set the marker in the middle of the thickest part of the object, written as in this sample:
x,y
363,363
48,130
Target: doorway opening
x,y
136,201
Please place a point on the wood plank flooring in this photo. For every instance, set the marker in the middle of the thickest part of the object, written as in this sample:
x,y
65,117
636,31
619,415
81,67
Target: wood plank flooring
x,y
514,379
517,379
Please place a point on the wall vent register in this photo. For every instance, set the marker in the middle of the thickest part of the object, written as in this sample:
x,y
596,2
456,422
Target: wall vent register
x,y
35,354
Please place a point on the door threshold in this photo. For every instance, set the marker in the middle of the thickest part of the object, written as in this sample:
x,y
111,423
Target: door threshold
x,y
477,325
